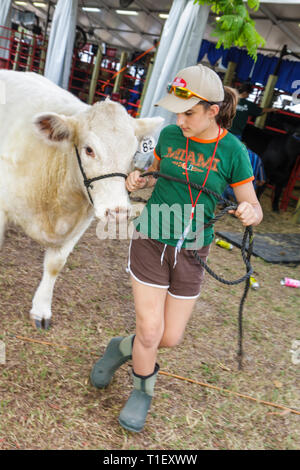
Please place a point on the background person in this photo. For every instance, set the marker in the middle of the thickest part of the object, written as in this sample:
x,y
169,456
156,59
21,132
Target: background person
x,y
244,109
166,280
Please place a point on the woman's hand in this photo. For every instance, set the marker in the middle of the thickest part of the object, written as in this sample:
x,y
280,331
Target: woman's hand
x,y
246,213
134,181
248,210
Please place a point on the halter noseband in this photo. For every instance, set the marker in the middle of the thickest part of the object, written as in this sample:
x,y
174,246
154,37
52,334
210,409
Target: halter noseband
x,y
88,181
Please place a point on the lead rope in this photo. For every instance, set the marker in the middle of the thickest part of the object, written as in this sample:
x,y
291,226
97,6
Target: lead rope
x,y
248,236
88,181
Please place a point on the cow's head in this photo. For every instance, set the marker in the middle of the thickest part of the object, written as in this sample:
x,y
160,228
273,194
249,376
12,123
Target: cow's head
x,y
107,138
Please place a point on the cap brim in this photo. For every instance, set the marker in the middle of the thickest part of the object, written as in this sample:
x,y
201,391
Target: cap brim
x,y
177,105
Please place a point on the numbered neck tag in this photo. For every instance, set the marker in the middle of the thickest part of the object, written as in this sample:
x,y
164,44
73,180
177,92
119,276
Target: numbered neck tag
x,y
147,145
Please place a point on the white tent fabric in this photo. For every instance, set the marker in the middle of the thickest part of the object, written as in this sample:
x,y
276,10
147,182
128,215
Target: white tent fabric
x,y
61,42
179,47
5,20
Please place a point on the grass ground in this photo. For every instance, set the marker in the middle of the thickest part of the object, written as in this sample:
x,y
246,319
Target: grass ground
x,y
47,402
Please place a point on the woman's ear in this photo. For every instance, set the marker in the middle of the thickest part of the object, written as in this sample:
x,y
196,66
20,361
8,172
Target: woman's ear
x,y
213,110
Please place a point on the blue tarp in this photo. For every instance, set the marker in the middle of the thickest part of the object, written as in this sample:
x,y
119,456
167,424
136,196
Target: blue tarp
x,y
258,71
264,66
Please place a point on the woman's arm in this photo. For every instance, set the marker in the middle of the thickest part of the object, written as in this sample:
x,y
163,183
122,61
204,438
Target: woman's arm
x,y
134,181
249,210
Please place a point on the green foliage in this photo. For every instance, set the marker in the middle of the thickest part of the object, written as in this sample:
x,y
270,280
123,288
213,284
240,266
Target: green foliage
x,y
235,27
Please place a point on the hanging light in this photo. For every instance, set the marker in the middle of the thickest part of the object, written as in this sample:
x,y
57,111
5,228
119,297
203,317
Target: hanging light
x,y
91,9
127,12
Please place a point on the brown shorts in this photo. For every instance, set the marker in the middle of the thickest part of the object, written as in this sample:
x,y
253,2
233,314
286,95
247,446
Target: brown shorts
x,y
153,263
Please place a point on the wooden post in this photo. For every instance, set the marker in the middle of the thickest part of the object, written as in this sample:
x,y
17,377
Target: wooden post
x,y
266,101
147,80
43,57
229,73
119,77
31,51
148,76
48,18
95,75
296,216
18,35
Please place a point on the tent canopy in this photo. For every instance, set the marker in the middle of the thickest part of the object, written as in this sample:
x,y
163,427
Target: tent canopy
x,y
278,22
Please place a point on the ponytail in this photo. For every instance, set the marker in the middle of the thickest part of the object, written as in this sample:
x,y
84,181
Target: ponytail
x,y
227,108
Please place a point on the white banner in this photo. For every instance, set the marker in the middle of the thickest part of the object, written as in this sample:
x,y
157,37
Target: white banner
x,y
61,42
179,48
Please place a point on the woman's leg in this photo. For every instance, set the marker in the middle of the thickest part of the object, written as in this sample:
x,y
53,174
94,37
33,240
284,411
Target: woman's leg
x,y
183,292
176,316
149,308
160,321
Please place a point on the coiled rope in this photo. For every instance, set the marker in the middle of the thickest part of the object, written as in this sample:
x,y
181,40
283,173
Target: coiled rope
x,y
246,252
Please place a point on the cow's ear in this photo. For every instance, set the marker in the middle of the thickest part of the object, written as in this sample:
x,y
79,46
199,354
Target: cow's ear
x,y
54,128
146,126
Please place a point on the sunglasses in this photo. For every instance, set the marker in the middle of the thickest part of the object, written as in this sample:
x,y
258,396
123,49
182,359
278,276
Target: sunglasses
x,y
184,93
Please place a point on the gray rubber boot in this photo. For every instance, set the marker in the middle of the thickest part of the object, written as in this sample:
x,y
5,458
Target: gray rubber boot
x,y
133,415
118,351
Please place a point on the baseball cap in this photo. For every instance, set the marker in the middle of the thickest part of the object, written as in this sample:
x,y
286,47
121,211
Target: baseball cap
x,y
199,79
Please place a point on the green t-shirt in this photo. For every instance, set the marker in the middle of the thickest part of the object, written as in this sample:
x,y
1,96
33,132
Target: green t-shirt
x,y
167,212
244,109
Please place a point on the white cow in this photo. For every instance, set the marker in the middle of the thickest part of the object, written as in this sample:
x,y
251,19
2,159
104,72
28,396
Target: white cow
x,y
41,185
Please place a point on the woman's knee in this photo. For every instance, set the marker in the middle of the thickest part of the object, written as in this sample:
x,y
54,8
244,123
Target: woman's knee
x,y
149,335
171,340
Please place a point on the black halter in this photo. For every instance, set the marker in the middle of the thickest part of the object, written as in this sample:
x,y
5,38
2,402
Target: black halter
x,y
88,181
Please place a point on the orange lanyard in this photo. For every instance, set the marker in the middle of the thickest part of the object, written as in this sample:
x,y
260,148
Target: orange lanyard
x,y
188,227
209,168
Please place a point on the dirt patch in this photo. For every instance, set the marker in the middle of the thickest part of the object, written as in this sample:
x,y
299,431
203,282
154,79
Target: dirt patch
x,y
47,402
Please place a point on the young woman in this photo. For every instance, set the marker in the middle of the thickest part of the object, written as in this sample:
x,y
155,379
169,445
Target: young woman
x,y
165,276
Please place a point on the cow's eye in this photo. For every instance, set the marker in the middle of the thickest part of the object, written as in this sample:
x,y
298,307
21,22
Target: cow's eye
x,y
90,152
